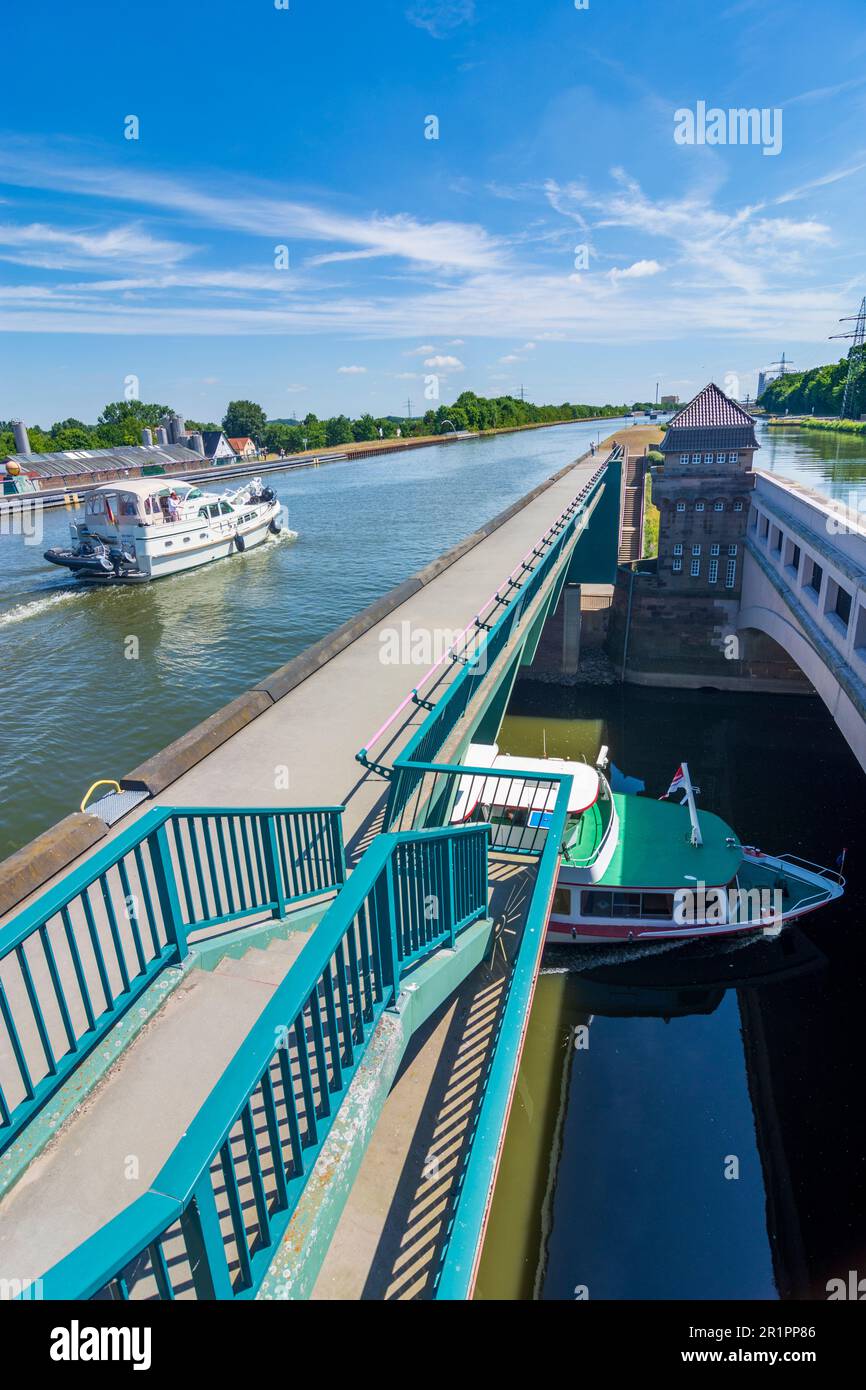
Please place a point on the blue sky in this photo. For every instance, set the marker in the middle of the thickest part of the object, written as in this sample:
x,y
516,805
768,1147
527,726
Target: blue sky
x,y
305,127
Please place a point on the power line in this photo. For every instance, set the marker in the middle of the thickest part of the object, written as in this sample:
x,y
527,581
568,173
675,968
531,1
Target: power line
x,y
858,338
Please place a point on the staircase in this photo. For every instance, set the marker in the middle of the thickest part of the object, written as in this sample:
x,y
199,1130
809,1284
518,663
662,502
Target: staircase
x,y
115,1144
631,528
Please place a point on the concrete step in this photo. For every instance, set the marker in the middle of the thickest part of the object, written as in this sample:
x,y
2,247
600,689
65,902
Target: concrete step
x,y
269,966
120,1137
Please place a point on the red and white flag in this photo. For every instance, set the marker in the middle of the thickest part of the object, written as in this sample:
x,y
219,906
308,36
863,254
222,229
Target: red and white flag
x,y
677,785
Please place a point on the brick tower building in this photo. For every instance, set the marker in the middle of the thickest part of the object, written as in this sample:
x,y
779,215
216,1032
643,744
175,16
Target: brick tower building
x,y
674,619
702,493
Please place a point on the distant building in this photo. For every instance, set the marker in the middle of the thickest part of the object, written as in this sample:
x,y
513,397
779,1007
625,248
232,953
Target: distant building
x,y
217,447
87,467
244,448
670,400
764,380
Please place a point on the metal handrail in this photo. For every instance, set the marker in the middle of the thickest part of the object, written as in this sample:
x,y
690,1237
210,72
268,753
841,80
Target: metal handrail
x,y
353,960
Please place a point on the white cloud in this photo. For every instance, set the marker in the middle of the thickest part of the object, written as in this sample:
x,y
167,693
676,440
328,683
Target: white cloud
x,y
639,271
352,371
452,245
442,363
52,246
420,351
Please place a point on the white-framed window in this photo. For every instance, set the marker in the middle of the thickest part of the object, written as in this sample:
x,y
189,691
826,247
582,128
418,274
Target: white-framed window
x,y
730,574
718,506
733,458
695,569
696,550
677,566
684,460
696,458
738,505
732,550
678,549
681,506
708,458
699,506
715,550
713,572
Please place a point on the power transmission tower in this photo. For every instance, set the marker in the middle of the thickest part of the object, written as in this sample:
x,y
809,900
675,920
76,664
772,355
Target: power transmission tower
x,y
857,337
409,409
522,393
783,364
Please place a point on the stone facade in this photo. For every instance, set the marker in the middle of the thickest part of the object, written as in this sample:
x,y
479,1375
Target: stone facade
x,y
680,611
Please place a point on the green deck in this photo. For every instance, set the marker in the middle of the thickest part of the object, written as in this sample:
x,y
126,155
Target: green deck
x,y
654,848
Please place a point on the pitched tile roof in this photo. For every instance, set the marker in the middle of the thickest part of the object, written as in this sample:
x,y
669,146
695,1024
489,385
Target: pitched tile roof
x,y
710,409
240,444
710,421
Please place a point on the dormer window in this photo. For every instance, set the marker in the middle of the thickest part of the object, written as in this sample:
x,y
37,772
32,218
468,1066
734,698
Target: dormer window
x,y
681,506
699,506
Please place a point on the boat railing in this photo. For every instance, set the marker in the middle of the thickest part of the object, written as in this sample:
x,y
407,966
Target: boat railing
x,y
587,860
821,870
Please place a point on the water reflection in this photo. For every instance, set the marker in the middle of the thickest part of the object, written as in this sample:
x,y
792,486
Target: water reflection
x,y
688,1120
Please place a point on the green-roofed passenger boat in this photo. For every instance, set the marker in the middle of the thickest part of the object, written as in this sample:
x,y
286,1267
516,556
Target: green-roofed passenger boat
x,y
637,869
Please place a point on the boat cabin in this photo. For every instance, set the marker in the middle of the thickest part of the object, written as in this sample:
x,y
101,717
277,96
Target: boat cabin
x,y
142,502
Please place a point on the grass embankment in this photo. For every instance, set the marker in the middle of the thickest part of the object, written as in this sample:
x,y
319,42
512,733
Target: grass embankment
x,y
806,422
651,518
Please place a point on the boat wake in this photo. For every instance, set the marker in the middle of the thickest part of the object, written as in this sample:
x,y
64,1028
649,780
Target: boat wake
x,y
575,959
34,608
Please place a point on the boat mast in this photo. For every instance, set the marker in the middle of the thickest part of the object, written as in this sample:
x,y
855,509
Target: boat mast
x,y
697,837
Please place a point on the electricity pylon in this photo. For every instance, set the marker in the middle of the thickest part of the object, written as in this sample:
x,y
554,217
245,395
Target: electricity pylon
x,y
857,337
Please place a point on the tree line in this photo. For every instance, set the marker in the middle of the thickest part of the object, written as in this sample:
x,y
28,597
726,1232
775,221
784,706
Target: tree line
x,y
819,391
121,423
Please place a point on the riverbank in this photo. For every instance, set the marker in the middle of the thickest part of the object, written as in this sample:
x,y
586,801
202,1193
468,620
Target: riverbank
x,y
828,424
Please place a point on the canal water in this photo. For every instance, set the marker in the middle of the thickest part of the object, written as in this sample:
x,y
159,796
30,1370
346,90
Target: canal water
x,y
94,681
689,1119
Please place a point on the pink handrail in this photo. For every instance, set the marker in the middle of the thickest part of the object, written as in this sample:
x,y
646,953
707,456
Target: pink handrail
x,y
494,599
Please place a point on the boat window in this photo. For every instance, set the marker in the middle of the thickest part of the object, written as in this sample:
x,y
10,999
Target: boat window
x,y
657,905
127,506
225,508
626,904
214,509
562,902
202,511
193,494
598,904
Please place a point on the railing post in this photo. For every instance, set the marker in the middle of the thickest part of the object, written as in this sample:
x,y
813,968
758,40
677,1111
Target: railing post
x,y
166,887
273,868
340,851
450,894
205,1246
388,948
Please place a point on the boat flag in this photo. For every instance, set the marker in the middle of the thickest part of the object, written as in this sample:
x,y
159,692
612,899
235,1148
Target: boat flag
x,y
678,784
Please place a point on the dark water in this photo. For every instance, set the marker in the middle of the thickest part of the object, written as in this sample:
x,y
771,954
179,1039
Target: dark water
x,y
77,708
702,1059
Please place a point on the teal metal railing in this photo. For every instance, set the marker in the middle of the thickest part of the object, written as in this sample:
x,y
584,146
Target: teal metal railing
x,y
212,1219
74,961
428,795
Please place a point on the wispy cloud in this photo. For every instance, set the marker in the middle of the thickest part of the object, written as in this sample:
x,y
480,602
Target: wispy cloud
x,y
441,17
352,371
451,245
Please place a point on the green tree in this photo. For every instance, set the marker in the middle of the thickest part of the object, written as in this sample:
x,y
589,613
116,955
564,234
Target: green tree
x,y
338,430
365,428
244,418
